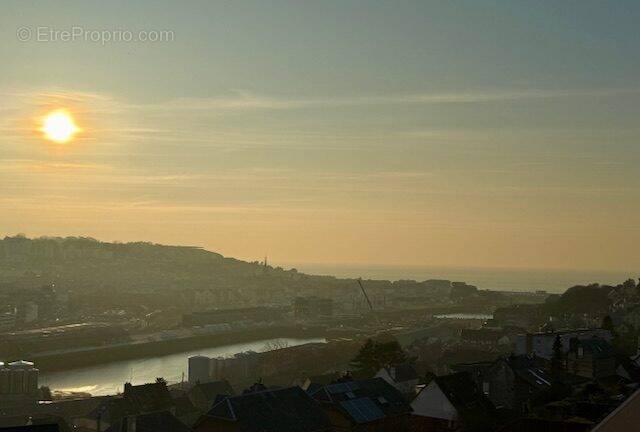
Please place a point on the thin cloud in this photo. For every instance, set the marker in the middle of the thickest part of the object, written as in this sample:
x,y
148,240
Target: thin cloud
x,y
246,100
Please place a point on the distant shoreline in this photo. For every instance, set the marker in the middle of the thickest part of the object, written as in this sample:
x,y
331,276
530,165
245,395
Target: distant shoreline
x,y
498,279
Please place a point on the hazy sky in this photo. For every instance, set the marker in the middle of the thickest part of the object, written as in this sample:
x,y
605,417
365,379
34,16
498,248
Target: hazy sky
x,y
477,133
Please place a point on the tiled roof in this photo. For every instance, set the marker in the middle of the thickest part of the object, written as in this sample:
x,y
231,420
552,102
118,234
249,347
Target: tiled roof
x,y
529,369
462,392
148,397
113,409
402,372
362,410
596,347
73,408
373,397
212,389
313,383
283,410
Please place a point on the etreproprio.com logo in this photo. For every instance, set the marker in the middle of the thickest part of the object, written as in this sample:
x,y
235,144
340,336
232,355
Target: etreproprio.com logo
x,y
102,36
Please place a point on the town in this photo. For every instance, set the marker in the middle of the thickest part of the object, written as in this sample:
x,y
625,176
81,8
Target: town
x,y
319,216
432,355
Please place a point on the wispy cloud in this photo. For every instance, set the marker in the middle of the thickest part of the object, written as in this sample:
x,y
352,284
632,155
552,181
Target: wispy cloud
x,y
243,100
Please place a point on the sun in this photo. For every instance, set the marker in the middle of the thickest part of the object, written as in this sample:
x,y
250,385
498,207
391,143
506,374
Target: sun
x,y
58,126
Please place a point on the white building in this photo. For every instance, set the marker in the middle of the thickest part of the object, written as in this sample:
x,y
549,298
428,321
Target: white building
x,y
444,400
199,367
18,381
541,344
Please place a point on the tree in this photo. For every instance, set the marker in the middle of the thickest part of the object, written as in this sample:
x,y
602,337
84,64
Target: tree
x,y
629,284
373,356
607,324
557,360
45,393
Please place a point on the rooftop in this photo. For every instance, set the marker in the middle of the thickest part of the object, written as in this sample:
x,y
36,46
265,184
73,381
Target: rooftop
x,y
365,400
282,410
462,392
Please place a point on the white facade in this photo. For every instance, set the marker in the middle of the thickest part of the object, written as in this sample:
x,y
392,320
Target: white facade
x,y
432,402
541,344
199,369
18,378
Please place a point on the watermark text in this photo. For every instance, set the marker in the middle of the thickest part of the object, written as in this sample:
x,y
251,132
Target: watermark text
x,y
99,36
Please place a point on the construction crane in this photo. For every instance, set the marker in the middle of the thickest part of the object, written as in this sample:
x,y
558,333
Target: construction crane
x,y
365,294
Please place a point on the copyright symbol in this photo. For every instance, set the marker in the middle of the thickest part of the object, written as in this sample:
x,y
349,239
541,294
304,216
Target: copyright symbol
x,y
23,34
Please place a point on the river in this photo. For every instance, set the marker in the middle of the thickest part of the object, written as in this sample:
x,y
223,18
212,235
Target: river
x,y
109,378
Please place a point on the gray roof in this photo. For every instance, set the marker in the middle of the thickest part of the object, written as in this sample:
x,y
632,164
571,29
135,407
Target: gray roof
x,y
403,372
282,410
596,347
365,400
212,389
463,393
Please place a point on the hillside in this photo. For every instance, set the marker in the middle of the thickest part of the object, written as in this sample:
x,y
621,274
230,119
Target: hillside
x,y
86,263
118,274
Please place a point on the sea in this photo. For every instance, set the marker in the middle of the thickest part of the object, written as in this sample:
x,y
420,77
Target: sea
x,y
498,279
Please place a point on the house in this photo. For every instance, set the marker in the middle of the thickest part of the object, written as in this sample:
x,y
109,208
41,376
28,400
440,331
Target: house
x,y
365,405
403,377
148,397
591,358
509,382
282,410
110,411
203,395
74,411
541,344
450,401
159,421
312,383
136,400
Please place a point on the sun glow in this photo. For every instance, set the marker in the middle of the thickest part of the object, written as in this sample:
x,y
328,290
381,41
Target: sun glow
x,y
58,126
